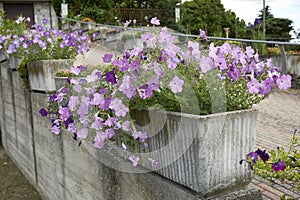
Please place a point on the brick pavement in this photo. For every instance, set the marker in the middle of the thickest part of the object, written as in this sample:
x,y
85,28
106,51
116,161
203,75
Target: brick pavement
x,y
278,117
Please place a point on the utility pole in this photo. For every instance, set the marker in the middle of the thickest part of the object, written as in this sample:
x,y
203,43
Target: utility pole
x,y
264,19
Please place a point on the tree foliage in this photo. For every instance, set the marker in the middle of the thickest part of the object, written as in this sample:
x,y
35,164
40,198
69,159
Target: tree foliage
x,y
211,16
276,28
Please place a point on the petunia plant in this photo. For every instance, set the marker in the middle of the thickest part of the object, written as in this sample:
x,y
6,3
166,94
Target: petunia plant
x,y
96,107
281,164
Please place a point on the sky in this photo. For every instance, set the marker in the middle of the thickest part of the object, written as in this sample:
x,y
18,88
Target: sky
x,y
249,9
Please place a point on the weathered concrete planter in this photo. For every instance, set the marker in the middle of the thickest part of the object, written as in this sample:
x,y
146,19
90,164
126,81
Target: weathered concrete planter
x,y
3,56
202,152
41,73
113,36
133,42
60,82
14,62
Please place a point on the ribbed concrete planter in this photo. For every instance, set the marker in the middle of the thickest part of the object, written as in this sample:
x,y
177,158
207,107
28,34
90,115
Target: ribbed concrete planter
x,y
133,42
202,152
41,73
60,82
3,56
14,62
113,36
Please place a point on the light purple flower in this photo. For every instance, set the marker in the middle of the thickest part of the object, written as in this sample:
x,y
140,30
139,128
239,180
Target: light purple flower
x,y
154,164
97,124
153,83
206,64
55,129
266,86
141,135
99,140
253,86
64,112
107,58
193,47
176,84
284,82
134,21
119,108
134,160
111,121
127,86
95,34
82,133
75,70
45,21
109,133
83,109
126,126
155,21
203,34
98,99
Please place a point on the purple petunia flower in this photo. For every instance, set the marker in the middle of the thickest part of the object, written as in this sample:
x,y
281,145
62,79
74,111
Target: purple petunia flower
x,y
134,160
141,135
155,21
99,140
264,156
280,165
284,82
45,21
253,86
154,164
107,58
176,84
43,112
256,22
82,133
53,97
252,156
203,34
118,106
111,77
55,129
126,126
153,83
95,34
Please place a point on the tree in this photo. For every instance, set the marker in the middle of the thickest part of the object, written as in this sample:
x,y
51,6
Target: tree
x,y
277,28
210,15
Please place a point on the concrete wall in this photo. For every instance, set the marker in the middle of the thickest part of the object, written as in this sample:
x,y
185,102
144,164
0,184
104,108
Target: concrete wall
x,y
43,10
292,65
60,169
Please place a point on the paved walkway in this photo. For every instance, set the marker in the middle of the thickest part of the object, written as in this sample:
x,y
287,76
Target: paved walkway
x,y
278,117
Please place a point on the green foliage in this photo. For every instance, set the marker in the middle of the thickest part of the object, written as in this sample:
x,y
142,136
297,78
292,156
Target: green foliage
x,y
277,28
99,10
292,159
211,17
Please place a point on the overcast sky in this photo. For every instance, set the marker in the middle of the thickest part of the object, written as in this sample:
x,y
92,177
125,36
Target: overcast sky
x,y
249,9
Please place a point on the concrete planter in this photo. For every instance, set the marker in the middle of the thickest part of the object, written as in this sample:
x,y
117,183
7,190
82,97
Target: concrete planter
x,y
3,56
113,36
41,73
133,42
87,27
201,152
14,62
60,82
